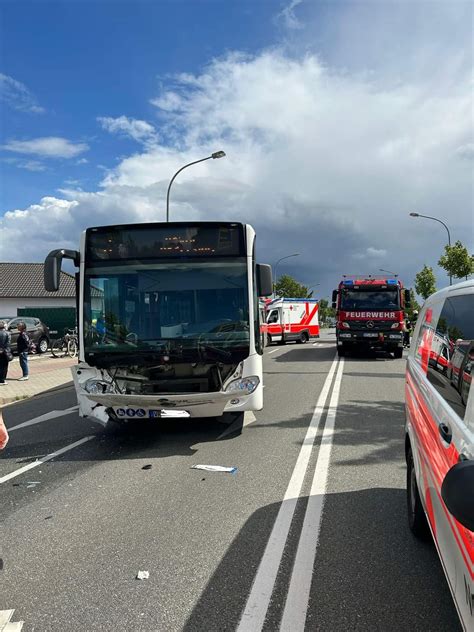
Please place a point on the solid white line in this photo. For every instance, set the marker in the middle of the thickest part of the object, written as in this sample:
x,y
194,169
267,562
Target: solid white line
x,y
253,617
296,607
273,351
43,459
46,417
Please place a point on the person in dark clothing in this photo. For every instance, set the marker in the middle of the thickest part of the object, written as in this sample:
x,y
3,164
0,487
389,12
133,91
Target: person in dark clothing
x,y
407,332
23,344
5,339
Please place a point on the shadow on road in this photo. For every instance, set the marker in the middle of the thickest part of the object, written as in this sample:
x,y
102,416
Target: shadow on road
x,y
370,572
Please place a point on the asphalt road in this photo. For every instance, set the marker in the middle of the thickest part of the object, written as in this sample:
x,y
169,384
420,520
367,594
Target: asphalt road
x,y
330,551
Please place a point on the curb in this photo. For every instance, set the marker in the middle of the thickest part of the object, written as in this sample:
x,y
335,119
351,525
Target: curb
x,y
8,401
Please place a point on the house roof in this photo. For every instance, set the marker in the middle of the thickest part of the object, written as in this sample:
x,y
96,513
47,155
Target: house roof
x,y
25,280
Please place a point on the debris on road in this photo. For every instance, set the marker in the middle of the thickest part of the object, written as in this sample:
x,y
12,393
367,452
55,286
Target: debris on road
x,y
143,575
147,467
215,468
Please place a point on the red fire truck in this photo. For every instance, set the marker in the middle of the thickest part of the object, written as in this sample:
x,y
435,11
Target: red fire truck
x,y
370,314
292,319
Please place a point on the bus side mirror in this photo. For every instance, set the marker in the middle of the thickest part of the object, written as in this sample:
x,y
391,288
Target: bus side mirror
x,y
52,267
407,298
456,492
334,299
264,279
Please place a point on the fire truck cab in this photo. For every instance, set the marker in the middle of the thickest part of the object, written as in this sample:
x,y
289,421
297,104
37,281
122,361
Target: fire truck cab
x,y
370,314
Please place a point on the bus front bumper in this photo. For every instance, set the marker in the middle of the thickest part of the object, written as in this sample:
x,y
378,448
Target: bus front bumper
x,y
376,340
102,407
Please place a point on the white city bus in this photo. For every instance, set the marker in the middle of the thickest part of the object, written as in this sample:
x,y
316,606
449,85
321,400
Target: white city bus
x,y
168,320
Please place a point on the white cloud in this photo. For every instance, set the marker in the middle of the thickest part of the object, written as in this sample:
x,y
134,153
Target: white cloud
x,y
370,254
17,95
466,151
321,162
29,165
288,15
82,161
141,131
47,147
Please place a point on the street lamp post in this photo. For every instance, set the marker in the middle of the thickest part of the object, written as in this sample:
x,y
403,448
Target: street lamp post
x,y
435,219
216,154
313,286
296,254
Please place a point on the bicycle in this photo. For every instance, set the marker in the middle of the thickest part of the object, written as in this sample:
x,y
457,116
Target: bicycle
x,y
66,345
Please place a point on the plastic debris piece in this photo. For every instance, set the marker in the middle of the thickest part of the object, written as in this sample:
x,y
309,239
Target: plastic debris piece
x,y
147,467
143,575
215,468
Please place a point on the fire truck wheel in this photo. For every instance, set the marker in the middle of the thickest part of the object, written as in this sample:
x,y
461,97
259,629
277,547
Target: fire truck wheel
x,y
269,340
416,515
398,353
341,352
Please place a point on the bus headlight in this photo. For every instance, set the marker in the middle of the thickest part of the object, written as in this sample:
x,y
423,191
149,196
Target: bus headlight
x,y
245,386
97,387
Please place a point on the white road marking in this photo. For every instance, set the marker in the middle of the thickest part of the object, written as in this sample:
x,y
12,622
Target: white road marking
x,y
249,418
6,624
46,417
273,351
43,459
253,617
296,607
323,344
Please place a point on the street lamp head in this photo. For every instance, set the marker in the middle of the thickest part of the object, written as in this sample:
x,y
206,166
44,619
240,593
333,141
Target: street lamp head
x,y
414,215
218,154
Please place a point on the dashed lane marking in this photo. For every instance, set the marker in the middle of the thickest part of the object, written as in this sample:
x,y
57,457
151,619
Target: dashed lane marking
x,y
43,459
46,417
6,624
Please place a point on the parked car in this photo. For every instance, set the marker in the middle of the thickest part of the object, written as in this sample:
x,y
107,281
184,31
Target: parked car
x,y
36,330
439,439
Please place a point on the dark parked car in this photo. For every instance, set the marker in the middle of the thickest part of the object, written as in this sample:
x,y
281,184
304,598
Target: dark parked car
x,y
36,330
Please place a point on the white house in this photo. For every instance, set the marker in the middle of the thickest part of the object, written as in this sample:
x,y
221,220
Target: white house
x,y
22,286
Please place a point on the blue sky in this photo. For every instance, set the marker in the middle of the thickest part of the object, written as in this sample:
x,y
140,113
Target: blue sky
x,y
338,118
81,60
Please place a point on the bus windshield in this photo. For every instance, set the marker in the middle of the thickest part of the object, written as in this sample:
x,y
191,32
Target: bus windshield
x,y
133,307
369,299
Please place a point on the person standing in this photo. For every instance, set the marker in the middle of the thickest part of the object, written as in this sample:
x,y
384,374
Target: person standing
x,y
5,352
23,345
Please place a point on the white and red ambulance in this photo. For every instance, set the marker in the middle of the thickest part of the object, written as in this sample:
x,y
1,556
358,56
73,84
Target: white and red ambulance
x,y
439,440
292,319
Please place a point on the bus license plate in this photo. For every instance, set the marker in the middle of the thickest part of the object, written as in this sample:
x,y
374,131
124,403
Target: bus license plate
x,y
371,335
164,413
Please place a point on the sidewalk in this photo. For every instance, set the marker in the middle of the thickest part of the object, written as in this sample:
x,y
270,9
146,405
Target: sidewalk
x,y
45,372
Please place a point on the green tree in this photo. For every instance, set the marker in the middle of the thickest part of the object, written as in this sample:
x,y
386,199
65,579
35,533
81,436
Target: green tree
x,y
414,306
457,261
288,287
325,311
425,282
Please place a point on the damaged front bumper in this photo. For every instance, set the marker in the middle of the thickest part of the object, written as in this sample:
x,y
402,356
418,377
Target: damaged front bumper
x,y
102,407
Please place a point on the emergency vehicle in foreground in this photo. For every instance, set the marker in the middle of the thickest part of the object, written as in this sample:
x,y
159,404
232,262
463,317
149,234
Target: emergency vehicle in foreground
x,y
179,320
439,439
370,314
292,319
